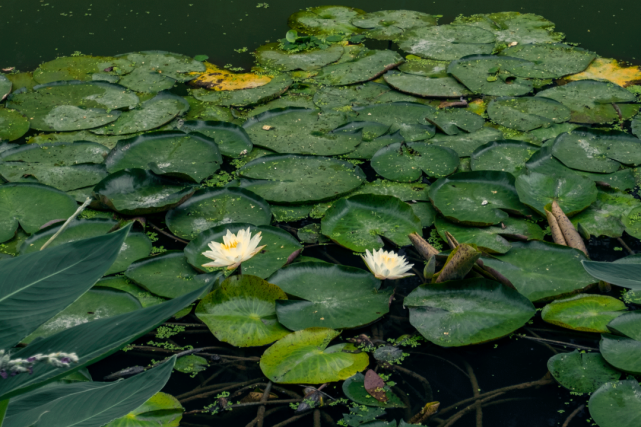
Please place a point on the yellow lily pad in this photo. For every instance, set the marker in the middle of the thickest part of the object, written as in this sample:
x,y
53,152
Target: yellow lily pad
x,y
219,79
612,70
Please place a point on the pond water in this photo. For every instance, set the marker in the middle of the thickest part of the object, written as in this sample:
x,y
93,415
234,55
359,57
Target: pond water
x,y
34,31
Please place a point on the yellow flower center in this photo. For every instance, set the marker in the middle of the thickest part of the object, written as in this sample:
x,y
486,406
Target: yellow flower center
x,y
230,245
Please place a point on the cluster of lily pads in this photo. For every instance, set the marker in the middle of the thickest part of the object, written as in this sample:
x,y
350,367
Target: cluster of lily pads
x,y
482,125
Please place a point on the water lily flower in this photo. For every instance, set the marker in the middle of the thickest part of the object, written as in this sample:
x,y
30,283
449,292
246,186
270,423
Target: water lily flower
x,y
387,265
235,249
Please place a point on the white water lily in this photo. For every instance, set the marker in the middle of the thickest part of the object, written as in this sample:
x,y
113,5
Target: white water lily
x,y
387,265
236,248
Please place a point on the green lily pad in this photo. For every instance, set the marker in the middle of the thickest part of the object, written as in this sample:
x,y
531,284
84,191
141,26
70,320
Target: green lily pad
x,y
621,352
82,135
454,121
158,70
31,205
186,156
211,207
366,66
191,364
60,154
270,55
289,213
581,372
390,24
121,283
21,80
606,216
440,87
477,198
168,275
199,110
552,61
617,404
329,295
465,143
589,313
358,222
245,97
140,192
83,67
365,94
424,67
415,191
465,312
279,246
301,131
408,118
592,101
231,139
152,114
507,156
287,100
161,410
93,305
367,149
304,357
325,20
425,212
509,27
632,222
241,312
144,80
287,178
541,270
447,42
490,239
541,135
354,389
5,87
636,126
627,325
72,105
573,192
492,75
594,150
12,124
527,113
407,162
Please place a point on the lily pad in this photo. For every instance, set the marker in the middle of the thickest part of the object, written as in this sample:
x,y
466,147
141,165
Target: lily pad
x,y
464,144
199,110
329,295
552,61
301,131
366,66
154,70
440,87
245,97
390,24
191,364
477,198
492,75
464,312
221,79
627,324
589,313
606,215
270,55
83,67
304,357
572,192
621,352
31,205
609,69
161,410
279,246
354,389
186,156
594,101
509,27
12,124
241,312
287,100
211,207
358,222
365,94
82,135
425,212
407,162
231,139
581,372
367,149
506,155
447,42
617,404
287,178
424,67
152,114
527,113
408,118
325,20
5,87
140,192
541,270
72,105
121,283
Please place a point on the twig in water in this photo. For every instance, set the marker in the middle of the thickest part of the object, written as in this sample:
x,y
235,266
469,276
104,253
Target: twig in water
x,y
572,415
317,415
476,391
627,248
160,230
66,224
292,419
261,409
253,422
565,344
552,349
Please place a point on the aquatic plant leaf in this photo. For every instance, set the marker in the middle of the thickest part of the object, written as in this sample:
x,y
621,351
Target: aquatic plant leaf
x,y
541,135
199,110
60,154
12,124
459,263
208,208
440,87
527,113
605,217
271,56
621,352
215,78
291,100
279,246
288,178
231,139
464,144
191,364
611,70
241,312
244,97
447,42
83,67
552,60
325,20
509,27
146,298
477,198
572,192
425,212
287,213
505,155
622,395
364,94
367,149
581,372
390,24
304,357
354,389
22,204
492,75
627,324
162,409
82,135
408,162
593,101
171,65
541,271
424,67
407,118
465,312
589,313
624,275
358,222
5,87
329,295
636,126
366,66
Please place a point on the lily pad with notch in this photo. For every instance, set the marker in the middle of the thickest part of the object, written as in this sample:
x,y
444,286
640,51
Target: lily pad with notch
x,y
206,111
161,408
407,162
146,298
5,87
430,87
527,113
583,312
271,56
82,135
391,24
464,144
367,149
505,155
581,372
13,125
328,97
621,352
408,118
82,67
492,75
606,216
509,27
325,20
155,71
366,66
572,192
447,42
622,395
552,60
231,139
354,389
244,97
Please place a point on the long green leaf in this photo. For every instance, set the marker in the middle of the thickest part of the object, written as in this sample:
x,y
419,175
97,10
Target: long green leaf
x,y
96,406
91,342
37,286
625,275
